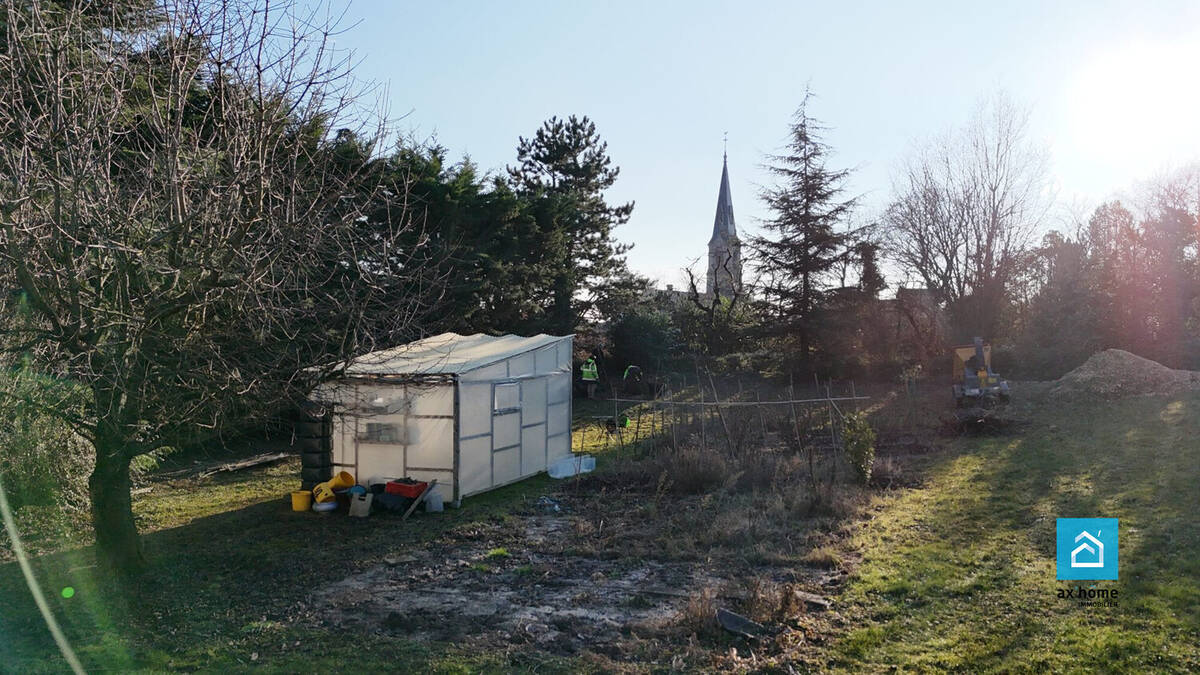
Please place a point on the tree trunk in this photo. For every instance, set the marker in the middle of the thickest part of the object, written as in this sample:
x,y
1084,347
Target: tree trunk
x,y
112,508
563,316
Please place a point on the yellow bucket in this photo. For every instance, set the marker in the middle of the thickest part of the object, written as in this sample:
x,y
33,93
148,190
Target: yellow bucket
x,y
324,491
301,500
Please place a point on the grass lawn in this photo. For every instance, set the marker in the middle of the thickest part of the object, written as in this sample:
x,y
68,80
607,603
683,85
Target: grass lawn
x,y
229,561
960,574
955,574
229,564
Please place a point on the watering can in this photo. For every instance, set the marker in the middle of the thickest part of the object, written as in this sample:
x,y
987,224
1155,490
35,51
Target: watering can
x,y
323,492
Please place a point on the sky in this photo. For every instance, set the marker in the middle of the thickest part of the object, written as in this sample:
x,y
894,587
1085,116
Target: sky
x,y
1112,89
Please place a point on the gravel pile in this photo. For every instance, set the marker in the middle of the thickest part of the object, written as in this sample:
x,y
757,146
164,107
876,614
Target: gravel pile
x,y
1115,373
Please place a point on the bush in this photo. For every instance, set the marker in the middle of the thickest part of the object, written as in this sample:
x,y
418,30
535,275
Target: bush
x,y
43,462
695,471
645,338
858,440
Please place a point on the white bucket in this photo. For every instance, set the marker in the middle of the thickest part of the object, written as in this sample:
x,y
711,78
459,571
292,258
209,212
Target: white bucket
x,y
570,466
433,501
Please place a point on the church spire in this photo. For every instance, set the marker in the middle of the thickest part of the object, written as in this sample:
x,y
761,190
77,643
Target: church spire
x,y
723,225
724,249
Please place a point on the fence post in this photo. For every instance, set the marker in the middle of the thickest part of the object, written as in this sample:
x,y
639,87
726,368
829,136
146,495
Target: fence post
x,y
762,421
720,415
703,431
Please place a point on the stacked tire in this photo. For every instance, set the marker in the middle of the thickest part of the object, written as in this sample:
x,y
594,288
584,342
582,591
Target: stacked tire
x,y
313,439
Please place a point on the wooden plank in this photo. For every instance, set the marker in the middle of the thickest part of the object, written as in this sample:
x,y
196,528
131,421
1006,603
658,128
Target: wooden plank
x,y
413,507
246,464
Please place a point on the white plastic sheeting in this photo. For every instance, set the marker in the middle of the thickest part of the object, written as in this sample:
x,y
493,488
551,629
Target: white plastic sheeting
x,y
448,353
474,411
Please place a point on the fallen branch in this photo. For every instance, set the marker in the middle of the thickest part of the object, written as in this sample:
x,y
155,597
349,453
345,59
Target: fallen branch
x,y
246,464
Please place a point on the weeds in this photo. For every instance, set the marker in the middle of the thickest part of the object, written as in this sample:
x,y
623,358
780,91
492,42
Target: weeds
x,y
769,602
823,557
698,615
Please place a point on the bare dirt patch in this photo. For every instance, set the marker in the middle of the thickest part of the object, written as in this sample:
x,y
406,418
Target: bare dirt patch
x,y
520,582
525,592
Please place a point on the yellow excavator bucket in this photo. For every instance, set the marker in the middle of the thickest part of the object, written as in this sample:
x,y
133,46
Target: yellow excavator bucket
x,y
963,353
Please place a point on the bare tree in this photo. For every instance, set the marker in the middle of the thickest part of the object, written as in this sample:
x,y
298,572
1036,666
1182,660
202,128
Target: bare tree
x,y
966,207
181,229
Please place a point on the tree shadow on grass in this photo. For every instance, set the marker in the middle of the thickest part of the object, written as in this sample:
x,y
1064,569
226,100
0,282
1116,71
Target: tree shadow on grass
x,y
978,556
215,587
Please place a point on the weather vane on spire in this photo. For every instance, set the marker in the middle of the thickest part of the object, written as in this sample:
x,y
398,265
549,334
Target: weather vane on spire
x,y
725,147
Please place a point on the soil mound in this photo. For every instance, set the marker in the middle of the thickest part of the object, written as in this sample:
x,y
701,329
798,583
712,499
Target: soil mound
x,y
1115,373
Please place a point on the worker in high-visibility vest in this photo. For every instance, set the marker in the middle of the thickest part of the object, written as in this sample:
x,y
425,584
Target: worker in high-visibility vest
x,y
591,375
632,380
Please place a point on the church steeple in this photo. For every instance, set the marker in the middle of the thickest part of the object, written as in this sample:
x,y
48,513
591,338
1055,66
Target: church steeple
x,y
724,249
723,225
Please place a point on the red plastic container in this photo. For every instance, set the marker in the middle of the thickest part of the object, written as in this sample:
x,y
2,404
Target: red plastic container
x,y
410,490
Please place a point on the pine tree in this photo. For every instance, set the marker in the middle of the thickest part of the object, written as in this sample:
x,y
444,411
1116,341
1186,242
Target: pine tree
x,y
801,245
565,169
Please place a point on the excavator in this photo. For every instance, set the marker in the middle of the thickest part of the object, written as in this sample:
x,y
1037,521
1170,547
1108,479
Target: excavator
x,y
975,383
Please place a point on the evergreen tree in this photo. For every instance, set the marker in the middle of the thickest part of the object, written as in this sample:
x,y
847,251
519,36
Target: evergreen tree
x,y
870,278
483,243
801,245
564,170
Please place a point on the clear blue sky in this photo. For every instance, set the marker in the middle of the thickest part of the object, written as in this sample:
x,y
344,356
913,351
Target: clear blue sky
x,y
1112,88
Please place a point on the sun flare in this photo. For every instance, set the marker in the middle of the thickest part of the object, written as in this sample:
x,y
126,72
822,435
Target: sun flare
x,y
1136,104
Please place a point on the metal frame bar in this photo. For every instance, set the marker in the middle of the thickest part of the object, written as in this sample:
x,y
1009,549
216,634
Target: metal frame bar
x,y
546,415
570,397
457,448
407,409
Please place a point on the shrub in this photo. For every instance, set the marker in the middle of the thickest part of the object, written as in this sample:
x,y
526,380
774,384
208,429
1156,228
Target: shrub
x,y
695,471
43,462
858,440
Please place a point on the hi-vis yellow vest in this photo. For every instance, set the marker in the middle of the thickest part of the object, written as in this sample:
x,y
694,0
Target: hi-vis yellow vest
x,y
589,371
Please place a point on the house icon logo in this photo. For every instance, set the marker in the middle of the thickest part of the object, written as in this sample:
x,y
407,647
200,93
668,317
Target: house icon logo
x,y
1087,548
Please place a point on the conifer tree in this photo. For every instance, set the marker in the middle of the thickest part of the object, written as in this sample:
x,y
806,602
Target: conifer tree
x,y
565,169
801,244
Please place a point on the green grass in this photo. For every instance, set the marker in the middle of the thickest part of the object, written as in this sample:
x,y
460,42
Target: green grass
x,y
229,561
960,575
957,574
588,432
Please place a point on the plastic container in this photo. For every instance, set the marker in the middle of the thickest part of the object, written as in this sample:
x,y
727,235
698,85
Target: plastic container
x,y
325,507
389,502
573,465
433,501
301,500
325,491
410,490
360,505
